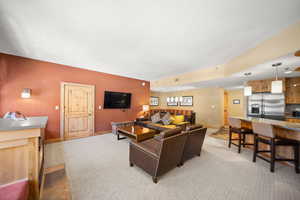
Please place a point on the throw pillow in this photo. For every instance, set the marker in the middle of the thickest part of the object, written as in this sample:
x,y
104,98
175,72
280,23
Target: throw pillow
x,y
166,119
172,118
178,119
155,118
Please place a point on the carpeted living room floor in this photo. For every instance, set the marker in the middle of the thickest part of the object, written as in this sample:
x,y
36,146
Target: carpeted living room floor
x,y
98,168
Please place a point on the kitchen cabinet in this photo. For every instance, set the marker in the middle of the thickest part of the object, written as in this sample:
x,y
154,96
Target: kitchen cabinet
x,y
263,85
292,95
256,85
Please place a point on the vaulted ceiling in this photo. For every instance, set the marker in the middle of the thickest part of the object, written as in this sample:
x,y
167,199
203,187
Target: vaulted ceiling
x,y
145,39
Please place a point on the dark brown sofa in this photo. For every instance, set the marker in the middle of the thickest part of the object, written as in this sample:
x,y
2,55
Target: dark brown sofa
x,y
194,142
189,119
158,155
189,115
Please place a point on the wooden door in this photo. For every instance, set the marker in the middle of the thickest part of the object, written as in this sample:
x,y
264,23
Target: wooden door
x,y
78,110
225,109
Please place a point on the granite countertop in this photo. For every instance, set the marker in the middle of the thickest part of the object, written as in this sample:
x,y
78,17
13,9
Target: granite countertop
x,y
282,124
29,123
291,117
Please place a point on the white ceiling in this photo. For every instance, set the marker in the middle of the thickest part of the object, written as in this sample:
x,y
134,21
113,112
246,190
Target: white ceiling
x,y
145,39
237,80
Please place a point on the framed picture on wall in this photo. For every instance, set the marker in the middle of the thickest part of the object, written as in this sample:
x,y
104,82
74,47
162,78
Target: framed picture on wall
x,y
187,101
172,103
154,101
236,101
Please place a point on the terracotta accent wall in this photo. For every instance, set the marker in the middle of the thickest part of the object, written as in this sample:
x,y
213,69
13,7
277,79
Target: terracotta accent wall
x,y
44,79
208,104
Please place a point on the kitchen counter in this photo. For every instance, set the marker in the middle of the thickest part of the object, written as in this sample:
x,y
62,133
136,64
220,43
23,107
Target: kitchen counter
x,y
22,152
282,129
280,124
291,117
29,123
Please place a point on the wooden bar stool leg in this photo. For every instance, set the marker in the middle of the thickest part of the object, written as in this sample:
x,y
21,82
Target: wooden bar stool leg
x,y
240,142
296,157
244,140
273,152
255,148
230,135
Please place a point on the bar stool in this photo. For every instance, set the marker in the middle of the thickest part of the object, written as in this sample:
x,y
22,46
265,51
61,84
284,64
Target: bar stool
x,y
235,126
264,133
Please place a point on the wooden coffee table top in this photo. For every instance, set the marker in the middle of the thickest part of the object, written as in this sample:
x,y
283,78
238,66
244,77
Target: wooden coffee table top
x,y
135,130
138,132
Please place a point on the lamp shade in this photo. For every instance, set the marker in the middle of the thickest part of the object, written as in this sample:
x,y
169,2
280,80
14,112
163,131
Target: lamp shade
x,y
145,108
26,93
168,99
247,91
276,87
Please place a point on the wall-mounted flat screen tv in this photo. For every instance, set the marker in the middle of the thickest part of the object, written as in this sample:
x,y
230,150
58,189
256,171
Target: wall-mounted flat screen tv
x,y
117,100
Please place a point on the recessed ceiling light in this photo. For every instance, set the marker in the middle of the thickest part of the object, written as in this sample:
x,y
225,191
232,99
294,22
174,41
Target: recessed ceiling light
x,y
277,64
287,71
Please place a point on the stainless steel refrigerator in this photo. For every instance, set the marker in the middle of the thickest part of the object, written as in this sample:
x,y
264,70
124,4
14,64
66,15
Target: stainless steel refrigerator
x,y
266,105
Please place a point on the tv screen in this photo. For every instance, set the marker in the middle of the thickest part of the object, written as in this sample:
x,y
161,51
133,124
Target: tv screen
x,y
117,100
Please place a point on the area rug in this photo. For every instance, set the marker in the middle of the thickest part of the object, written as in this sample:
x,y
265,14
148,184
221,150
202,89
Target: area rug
x,y
98,168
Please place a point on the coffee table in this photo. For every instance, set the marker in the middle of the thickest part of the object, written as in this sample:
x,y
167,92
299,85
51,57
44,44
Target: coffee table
x,y
138,133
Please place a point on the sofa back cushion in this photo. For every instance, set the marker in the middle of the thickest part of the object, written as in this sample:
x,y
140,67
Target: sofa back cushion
x,y
173,111
155,118
189,115
171,150
166,119
168,133
193,143
178,119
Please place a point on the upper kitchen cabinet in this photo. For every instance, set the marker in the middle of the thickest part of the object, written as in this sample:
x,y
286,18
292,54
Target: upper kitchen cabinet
x,y
256,85
263,85
292,95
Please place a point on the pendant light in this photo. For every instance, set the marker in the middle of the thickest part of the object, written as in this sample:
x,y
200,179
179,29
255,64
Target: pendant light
x,y
276,86
247,89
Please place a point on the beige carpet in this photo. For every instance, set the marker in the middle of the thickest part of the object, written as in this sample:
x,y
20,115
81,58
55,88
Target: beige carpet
x,y
98,168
